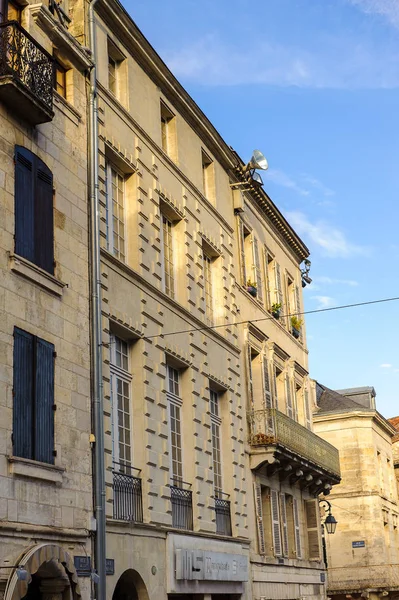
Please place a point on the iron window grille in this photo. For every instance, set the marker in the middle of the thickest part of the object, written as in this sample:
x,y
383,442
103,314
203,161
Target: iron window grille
x,y
182,505
128,497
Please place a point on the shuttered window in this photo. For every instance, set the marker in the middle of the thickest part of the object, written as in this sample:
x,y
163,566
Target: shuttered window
x,y
284,524
274,497
313,529
289,399
308,416
257,269
267,395
259,518
241,240
297,530
33,398
34,226
279,298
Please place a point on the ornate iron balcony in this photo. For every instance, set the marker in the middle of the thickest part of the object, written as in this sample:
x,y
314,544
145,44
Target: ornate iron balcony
x,y
182,507
128,498
270,427
223,516
26,74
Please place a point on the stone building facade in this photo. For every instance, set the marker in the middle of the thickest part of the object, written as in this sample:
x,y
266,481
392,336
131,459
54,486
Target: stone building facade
x,y
208,427
363,554
45,455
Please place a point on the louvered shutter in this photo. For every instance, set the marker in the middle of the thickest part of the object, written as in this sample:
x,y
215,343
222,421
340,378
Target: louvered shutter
x,y
308,417
297,531
267,280
258,272
242,252
313,529
275,522
44,220
267,396
44,402
24,203
23,394
249,370
298,308
284,525
288,396
279,290
274,388
259,518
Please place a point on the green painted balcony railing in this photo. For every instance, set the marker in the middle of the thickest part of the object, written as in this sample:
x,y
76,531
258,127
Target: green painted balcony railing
x,y
269,427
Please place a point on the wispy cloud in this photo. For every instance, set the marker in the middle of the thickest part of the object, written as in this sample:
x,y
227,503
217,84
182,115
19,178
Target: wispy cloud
x,y
334,63
386,8
330,239
318,185
324,301
386,366
280,178
332,281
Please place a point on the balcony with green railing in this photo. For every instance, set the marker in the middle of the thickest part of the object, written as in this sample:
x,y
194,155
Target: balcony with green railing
x,y
270,429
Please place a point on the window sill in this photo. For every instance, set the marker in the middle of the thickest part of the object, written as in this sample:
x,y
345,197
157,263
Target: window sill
x,y
66,108
24,467
33,273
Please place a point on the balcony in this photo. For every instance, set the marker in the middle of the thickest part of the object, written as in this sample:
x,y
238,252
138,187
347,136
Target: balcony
x,y
292,450
223,516
26,75
128,498
182,507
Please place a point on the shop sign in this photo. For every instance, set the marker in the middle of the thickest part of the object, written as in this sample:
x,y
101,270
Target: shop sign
x,y
210,566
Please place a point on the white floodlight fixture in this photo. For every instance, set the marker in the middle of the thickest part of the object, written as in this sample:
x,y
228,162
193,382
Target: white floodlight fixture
x,y
256,180
258,161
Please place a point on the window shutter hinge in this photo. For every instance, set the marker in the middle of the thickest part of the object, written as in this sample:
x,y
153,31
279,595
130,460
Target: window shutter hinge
x,y
54,407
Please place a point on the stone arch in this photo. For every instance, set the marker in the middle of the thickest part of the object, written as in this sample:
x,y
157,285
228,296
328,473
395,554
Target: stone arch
x,y
130,586
51,575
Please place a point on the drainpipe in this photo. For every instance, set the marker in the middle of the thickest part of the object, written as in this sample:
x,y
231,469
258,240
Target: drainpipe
x,y
96,327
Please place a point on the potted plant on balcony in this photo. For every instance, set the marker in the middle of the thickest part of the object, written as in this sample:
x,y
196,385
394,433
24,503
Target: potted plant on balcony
x,y
296,326
251,288
275,310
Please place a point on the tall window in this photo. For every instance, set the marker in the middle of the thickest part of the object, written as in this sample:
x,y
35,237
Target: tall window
x,y
115,211
167,257
175,403
208,288
60,79
168,131
208,176
216,454
112,67
34,222
33,398
120,403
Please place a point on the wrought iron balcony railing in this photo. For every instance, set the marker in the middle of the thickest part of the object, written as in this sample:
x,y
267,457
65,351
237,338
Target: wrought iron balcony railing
x,y
128,497
26,63
223,516
269,427
182,506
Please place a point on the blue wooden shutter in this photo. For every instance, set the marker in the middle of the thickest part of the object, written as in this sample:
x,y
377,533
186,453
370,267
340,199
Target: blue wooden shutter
x,y
44,220
23,394
24,203
44,402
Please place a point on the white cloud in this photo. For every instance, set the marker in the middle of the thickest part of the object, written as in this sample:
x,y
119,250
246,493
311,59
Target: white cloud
x,y
318,185
342,62
386,8
332,281
280,178
385,366
331,240
324,301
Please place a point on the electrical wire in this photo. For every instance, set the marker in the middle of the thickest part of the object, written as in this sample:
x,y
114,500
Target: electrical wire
x,y
308,312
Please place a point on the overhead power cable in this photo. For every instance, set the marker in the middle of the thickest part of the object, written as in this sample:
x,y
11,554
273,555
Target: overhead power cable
x,y
308,312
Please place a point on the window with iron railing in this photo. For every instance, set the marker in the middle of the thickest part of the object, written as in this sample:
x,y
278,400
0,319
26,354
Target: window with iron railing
x,y
127,493
182,505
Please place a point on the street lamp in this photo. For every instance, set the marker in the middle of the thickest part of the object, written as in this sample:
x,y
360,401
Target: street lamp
x,y
329,523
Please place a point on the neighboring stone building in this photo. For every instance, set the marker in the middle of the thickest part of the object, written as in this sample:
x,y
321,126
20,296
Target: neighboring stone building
x,y
45,455
178,248
363,554
394,421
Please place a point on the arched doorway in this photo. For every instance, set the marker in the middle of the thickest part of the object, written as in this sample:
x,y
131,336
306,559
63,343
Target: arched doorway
x,y
49,574
130,586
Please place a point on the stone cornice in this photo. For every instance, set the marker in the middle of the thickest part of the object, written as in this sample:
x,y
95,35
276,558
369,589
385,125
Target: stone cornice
x,y
356,414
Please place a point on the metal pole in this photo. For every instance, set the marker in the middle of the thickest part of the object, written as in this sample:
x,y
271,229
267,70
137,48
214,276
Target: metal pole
x,y
96,328
323,541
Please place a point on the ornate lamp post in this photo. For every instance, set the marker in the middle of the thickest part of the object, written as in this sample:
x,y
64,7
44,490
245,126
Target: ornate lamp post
x,y
329,523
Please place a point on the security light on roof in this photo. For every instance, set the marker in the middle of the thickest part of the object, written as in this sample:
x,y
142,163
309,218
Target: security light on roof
x,y
256,179
258,161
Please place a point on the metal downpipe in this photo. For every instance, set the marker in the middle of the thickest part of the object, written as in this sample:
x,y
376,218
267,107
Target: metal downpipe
x,y
96,326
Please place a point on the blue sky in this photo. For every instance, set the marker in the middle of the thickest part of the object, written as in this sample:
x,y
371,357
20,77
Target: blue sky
x,y
314,84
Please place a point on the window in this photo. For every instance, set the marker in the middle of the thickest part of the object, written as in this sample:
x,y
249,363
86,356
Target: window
x,y
293,302
120,404
251,271
112,66
208,176
207,264
34,228
215,429
175,403
60,79
313,529
115,60
167,257
307,410
115,211
33,398
168,132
